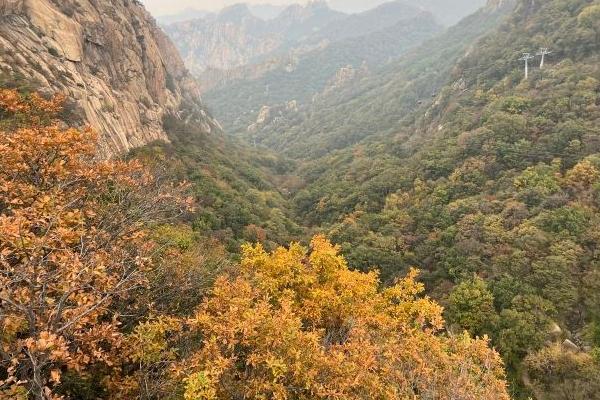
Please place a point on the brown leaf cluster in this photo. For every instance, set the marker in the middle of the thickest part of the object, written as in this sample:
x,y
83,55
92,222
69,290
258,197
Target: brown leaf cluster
x,y
73,241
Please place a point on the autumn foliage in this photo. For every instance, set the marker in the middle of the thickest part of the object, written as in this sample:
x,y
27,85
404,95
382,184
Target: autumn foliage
x,y
99,298
298,325
72,243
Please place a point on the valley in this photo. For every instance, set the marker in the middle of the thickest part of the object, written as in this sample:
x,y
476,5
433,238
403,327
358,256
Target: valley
x,y
428,158
330,200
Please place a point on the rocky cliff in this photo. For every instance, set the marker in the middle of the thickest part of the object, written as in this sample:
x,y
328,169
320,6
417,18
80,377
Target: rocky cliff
x,y
121,72
223,41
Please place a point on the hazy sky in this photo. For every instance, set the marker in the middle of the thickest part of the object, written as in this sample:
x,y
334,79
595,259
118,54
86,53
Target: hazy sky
x,y
165,7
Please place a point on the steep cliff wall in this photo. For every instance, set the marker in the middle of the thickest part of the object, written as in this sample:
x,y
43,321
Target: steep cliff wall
x,y
227,40
123,74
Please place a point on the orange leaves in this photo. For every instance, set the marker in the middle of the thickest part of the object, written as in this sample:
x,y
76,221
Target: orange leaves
x,y
31,110
302,325
51,106
582,175
11,101
55,376
72,242
54,346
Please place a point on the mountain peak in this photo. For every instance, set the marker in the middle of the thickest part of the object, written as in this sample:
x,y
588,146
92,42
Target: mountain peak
x,y
316,4
304,11
235,13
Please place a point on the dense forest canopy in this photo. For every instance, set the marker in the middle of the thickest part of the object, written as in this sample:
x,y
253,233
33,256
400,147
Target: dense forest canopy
x,y
492,190
410,216
450,160
97,302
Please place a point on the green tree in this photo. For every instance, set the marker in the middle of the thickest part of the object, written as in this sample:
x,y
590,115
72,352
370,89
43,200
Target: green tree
x,y
471,306
590,18
523,327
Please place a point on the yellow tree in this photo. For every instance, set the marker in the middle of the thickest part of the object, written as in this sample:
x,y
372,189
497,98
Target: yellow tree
x,y
300,325
72,242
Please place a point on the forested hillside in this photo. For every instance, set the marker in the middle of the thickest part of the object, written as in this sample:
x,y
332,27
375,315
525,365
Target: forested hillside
x,y
490,186
450,160
375,104
235,188
401,212
238,104
106,296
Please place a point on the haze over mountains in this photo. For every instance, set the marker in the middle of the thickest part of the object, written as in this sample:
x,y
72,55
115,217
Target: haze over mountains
x,y
263,11
243,35
449,12
236,37
408,133
304,51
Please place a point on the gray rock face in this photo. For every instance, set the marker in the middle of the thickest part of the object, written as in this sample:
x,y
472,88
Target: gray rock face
x,y
225,41
272,115
109,56
235,37
569,345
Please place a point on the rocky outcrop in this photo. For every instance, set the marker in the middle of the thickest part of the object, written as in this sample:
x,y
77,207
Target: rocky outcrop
x,y
224,41
272,115
344,76
121,71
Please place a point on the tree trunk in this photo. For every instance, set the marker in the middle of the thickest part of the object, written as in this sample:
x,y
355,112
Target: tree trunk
x,y
37,385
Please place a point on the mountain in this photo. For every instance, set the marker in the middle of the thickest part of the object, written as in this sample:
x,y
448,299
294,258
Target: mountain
x,y
185,15
262,11
447,12
302,79
109,58
235,43
453,161
372,104
236,37
231,38
460,188
374,20
298,22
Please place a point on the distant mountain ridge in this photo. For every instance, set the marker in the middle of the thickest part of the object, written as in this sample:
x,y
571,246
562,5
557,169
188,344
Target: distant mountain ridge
x,y
374,20
447,12
236,37
305,77
241,40
371,105
263,11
